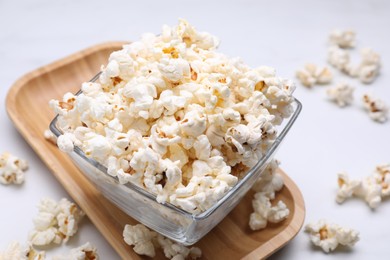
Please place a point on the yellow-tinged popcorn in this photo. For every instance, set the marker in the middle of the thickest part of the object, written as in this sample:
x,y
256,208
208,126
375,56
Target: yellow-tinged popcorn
x,y
311,74
12,169
18,252
146,241
372,188
55,222
171,114
83,252
376,108
328,236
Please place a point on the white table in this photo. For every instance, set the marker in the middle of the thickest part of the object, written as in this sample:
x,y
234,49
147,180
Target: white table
x,y
282,34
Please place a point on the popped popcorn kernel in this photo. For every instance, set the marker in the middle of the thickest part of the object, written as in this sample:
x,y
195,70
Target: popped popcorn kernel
x,y
12,169
55,222
83,252
311,74
146,241
173,115
341,94
343,39
328,236
372,188
369,67
16,251
376,108
266,186
338,58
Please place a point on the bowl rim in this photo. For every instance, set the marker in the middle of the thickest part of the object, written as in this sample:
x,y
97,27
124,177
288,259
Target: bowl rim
x,y
205,214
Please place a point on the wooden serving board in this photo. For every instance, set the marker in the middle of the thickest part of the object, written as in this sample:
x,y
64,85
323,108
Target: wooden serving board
x,y
27,106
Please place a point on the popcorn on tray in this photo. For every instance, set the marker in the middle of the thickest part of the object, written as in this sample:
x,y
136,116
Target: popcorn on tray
x,y
372,188
311,74
145,241
12,169
18,252
55,222
376,108
341,94
265,187
328,235
171,114
343,39
83,252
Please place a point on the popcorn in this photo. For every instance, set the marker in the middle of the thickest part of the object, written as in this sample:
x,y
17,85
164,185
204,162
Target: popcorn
x,y
376,108
369,67
172,115
50,136
338,58
329,236
311,74
12,169
343,39
55,222
16,251
341,94
266,186
372,188
84,252
145,241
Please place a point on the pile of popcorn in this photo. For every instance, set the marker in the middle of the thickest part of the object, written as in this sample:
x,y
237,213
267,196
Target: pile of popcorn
x,y
12,169
339,57
372,189
145,241
174,116
265,187
328,235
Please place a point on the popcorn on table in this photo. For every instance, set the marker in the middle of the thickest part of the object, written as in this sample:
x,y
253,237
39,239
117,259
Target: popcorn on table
x,y
341,94
343,39
369,67
171,114
265,187
328,236
338,58
84,252
17,252
50,136
55,222
372,188
376,108
145,241
311,74
12,169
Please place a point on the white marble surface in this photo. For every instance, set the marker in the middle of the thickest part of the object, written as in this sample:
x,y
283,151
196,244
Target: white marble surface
x,y
283,34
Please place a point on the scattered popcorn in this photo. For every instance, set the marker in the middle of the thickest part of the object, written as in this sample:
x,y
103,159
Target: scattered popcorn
x,y
12,169
329,236
266,186
372,188
171,114
18,252
84,252
369,67
343,39
341,94
55,222
145,241
50,136
311,74
376,108
338,58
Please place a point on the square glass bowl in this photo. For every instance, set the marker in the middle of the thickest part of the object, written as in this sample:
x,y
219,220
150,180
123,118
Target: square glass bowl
x,y
167,219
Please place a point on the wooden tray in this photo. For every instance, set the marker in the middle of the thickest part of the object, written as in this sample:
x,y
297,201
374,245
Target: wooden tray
x,y
27,106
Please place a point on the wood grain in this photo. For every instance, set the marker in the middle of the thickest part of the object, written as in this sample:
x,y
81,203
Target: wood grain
x,y
27,106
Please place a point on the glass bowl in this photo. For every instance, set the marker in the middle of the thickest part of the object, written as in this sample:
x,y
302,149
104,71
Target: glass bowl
x,y
167,219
